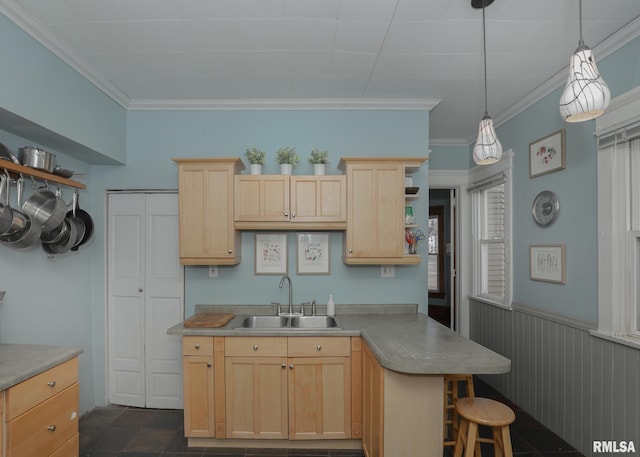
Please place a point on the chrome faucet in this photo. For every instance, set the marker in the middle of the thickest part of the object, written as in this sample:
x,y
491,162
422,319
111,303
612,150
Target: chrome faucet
x,y
290,313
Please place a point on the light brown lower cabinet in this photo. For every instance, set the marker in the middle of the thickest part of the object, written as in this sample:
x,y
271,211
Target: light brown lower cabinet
x,y
297,388
402,413
41,414
2,424
197,369
272,395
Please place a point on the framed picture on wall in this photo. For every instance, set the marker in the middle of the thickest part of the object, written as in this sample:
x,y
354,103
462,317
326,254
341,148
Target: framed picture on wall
x,y
313,254
271,253
547,263
547,154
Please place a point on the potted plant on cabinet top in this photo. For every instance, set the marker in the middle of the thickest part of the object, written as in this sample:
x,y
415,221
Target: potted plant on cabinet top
x,y
288,159
256,160
319,159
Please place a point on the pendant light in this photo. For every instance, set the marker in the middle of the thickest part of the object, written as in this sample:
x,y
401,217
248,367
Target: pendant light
x,y
586,95
488,149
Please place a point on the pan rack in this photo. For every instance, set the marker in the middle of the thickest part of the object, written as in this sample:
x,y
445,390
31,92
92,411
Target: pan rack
x,y
40,175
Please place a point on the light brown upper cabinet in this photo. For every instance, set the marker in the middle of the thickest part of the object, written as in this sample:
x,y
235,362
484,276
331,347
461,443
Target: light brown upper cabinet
x,y
376,209
283,201
205,193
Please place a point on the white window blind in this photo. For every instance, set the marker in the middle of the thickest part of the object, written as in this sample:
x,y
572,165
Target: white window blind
x,y
491,224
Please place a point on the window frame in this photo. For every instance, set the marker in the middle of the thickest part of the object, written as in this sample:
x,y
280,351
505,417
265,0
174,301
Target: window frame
x,y
618,251
438,211
479,176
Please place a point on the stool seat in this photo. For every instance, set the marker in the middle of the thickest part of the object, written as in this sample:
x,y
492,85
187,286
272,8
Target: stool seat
x,y
478,411
485,411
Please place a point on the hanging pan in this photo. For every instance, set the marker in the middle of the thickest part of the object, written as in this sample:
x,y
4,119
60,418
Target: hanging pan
x,y
28,232
81,214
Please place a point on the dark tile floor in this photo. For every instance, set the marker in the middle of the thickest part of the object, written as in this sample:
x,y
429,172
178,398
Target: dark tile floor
x,y
117,431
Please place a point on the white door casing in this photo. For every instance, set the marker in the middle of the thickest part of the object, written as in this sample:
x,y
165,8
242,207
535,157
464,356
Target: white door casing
x,y
145,297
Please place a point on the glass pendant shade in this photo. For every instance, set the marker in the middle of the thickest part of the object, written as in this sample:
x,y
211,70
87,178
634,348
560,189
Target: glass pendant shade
x,y
488,148
586,95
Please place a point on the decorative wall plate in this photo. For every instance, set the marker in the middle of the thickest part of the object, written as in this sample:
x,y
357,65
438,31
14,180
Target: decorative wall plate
x,y
545,209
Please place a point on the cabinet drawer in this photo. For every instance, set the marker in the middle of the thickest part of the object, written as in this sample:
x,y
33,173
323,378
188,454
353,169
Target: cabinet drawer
x,y
32,391
272,346
43,429
197,345
319,346
69,449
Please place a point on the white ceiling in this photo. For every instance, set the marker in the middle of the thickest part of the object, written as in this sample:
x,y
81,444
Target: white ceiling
x,y
217,53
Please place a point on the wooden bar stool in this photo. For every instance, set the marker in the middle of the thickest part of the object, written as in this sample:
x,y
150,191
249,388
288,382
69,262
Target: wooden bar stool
x,y
455,386
483,411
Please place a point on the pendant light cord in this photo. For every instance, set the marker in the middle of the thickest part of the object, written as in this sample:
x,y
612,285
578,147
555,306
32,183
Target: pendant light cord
x,y
581,42
484,49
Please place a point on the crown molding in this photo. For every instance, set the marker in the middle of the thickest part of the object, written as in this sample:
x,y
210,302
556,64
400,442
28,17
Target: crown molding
x,y
286,104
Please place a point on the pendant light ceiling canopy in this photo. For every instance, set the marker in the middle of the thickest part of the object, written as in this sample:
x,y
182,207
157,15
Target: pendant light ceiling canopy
x,y
487,149
586,95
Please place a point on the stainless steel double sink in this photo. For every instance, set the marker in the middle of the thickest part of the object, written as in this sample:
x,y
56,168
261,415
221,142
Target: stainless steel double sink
x,y
293,322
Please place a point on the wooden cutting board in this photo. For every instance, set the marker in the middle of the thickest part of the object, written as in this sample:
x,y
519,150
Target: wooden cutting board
x,y
208,320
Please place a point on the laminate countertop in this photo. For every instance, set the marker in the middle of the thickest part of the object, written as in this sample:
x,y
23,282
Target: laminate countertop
x,y
23,361
406,342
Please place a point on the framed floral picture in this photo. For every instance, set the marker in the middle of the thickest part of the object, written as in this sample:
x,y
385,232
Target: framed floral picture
x,y
547,154
271,253
313,254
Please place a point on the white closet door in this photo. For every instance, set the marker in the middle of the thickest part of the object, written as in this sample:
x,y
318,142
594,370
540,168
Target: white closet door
x,y
145,297
164,297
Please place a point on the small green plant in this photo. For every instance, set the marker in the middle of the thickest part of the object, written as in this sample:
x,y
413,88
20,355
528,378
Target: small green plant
x,y
319,157
287,155
254,156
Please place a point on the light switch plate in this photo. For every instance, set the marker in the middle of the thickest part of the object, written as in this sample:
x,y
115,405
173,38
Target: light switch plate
x,y
213,271
387,271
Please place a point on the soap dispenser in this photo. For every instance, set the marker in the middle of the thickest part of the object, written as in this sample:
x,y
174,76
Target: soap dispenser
x,y
331,306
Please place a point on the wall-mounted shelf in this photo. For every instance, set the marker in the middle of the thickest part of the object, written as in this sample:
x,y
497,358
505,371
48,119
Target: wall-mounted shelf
x,y
40,175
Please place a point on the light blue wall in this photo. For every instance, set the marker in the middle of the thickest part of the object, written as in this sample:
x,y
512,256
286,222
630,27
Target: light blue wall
x,y
154,137
50,96
48,301
450,158
576,187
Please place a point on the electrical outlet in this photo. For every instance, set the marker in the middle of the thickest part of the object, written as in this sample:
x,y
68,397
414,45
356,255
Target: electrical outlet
x,y
387,271
213,271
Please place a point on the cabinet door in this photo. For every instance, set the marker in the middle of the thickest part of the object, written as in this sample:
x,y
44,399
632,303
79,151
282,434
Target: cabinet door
x,y
372,404
375,223
261,198
198,396
318,199
319,398
1,424
207,235
256,394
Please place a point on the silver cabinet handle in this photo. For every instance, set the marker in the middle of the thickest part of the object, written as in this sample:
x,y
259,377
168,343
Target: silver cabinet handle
x,y
51,384
286,213
318,347
291,367
350,250
230,251
293,214
255,347
197,346
284,365
51,428
209,365
140,289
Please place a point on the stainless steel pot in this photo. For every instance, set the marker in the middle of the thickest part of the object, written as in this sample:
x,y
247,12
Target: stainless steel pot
x,y
30,232
46,208
37,158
